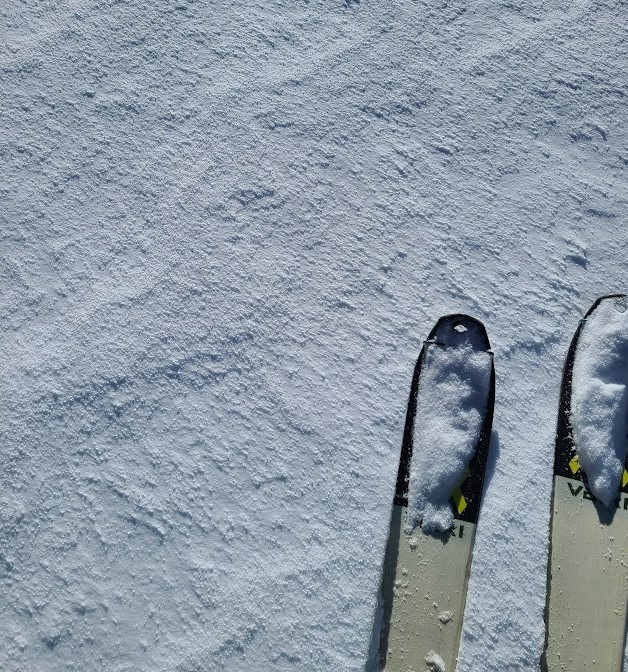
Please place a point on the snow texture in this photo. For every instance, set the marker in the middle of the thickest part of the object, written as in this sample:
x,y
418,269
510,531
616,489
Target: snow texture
x,y
225,230
445,616
435,663
600,397
451,405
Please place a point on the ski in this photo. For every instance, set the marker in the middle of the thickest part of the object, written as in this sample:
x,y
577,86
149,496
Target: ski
x,y
425,575
587,594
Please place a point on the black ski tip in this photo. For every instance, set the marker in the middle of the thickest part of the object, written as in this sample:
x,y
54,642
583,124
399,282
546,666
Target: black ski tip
x,y
460,330
565,450
455,330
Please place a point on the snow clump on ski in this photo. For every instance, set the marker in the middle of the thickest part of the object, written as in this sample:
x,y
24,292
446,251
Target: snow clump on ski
x,y
451,406
600,397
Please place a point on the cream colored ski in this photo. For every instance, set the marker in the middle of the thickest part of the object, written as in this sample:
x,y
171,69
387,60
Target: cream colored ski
x,y
425,592
586,609
587,593
425,577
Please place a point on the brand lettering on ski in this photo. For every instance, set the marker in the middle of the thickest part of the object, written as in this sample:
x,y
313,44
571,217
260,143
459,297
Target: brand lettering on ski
x,y
580,491
457,531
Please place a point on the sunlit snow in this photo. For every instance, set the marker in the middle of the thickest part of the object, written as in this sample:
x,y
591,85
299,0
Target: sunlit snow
x,y
225,230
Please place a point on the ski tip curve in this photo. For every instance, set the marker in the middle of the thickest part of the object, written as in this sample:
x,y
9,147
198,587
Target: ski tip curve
x,y
621,301
459,330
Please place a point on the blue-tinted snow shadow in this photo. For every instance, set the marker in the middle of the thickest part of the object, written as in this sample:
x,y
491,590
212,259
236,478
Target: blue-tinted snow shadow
x,y
491,462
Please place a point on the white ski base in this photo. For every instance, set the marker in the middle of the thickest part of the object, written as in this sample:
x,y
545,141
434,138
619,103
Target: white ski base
x,y
425,586
588,583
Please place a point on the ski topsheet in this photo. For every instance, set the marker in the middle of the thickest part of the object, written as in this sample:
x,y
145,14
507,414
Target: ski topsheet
x,y
424,582
587,594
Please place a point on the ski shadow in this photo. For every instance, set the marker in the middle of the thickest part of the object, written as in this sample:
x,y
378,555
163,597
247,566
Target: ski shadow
x,y
605,514
492,459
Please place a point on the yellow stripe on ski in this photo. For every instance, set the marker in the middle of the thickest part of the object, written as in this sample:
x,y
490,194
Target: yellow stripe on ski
x,y
459,501
574,465
458,498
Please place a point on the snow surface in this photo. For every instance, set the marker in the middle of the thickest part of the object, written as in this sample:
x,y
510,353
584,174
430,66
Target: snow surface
x,y
451,404
225,230
600,397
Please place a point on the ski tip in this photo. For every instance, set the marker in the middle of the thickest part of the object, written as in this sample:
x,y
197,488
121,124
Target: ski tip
x,y
455,331
565,450
620,301
460,330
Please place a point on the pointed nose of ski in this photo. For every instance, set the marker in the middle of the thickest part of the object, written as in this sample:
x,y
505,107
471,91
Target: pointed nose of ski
x,y
460,331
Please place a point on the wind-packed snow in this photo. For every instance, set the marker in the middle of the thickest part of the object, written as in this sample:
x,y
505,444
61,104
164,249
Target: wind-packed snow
x,y
600,397
451,404
225,230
